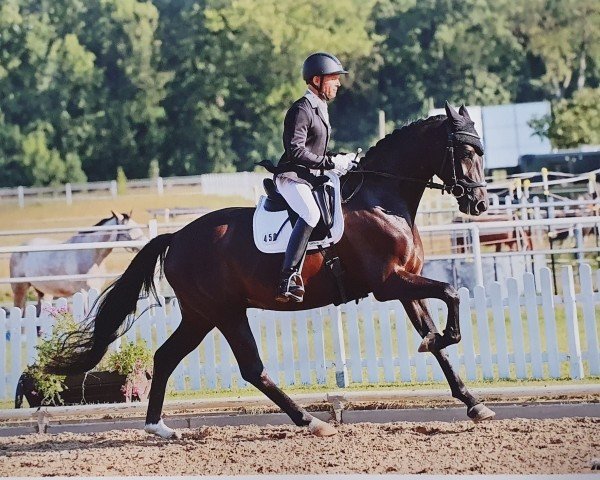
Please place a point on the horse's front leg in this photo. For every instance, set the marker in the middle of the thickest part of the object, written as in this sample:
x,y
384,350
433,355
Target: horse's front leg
x,y
420,317
406,286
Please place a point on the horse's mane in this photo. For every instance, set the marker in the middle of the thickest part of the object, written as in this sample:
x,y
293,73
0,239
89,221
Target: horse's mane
x,y
99,224
393,143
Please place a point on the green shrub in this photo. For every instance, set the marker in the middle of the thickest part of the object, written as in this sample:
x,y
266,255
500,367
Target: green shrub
x,y
131,359
50,386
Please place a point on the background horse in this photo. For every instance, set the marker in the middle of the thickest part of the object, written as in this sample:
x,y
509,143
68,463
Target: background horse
x,y
517,239
217,272
67,262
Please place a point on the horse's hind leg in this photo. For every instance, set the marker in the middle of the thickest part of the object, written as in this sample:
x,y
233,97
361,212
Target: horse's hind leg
x,y
19,294
185,338
420,317
242,343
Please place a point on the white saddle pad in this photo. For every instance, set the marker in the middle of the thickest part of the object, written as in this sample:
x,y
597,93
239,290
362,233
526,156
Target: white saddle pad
x,y
272,229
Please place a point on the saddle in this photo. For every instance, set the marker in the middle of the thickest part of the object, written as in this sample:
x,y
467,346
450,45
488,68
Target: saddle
x,y
274,219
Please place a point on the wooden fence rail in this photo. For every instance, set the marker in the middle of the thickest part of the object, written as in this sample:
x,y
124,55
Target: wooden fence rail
x,y
512,332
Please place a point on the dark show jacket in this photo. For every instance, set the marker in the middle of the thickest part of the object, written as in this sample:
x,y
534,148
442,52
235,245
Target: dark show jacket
x,y
305,139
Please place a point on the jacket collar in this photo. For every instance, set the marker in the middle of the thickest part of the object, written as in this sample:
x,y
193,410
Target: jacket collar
x,y
320,105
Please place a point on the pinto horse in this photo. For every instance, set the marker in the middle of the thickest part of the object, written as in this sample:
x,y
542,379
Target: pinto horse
x,y
217,272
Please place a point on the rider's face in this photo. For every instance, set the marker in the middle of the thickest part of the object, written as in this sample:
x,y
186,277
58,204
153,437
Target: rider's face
x,y
331,83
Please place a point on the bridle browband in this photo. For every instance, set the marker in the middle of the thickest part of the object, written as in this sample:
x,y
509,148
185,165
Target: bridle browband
x,y
460,185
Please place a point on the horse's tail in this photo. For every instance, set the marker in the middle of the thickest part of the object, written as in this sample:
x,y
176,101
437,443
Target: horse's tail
x,y
81,350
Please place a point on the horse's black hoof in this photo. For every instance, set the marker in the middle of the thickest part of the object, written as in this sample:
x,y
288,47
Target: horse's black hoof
x,y
479,413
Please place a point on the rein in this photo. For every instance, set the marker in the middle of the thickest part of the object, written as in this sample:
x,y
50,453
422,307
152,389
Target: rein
x,y
458,188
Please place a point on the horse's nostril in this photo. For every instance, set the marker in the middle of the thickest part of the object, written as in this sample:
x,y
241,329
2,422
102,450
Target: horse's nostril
x,y
480,206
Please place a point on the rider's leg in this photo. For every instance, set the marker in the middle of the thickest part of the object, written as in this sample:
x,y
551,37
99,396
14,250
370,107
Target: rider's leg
x,y
290,284
299,197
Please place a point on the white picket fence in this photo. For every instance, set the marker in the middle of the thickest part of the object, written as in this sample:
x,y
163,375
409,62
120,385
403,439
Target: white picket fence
x,y
517,334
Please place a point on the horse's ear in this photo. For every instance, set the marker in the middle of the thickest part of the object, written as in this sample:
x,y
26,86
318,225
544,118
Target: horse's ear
x,y
130,213
114,214
463,111
453,115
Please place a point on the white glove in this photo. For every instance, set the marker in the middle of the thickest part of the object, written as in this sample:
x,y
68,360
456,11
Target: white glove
x,y
343,163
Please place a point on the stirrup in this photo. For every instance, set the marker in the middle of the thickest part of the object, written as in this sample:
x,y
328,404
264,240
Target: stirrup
x,y
291,288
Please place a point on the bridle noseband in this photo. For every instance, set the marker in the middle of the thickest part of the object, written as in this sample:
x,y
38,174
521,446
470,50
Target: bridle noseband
x,y
459,186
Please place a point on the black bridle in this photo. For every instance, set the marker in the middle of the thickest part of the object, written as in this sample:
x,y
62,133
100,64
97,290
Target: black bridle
x,y
459,186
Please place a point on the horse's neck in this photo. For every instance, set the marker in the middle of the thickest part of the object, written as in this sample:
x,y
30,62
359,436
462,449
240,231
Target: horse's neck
x,y
94,255
413,167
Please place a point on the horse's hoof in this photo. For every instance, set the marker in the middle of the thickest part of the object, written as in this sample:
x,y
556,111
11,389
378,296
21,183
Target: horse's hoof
x,y
320,428
161,430
428,343
480,412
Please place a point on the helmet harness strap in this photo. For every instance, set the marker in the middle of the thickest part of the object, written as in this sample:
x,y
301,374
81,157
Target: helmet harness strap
x,y
319,88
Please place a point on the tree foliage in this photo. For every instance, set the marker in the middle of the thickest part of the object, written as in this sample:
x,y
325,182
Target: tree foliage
x,y
574,121
194,86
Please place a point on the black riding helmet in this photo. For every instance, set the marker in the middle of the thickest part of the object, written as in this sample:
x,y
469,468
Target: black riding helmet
x,y
320,64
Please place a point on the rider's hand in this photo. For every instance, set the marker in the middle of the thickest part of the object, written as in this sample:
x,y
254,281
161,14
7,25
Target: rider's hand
x,y
343,162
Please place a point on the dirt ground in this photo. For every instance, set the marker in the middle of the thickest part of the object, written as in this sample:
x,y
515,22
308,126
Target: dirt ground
x,y
503,446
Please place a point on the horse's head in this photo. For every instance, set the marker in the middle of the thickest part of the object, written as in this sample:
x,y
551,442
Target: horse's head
x,y
462,167
132,234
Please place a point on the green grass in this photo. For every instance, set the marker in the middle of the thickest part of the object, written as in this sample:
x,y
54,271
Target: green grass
x,y
317,389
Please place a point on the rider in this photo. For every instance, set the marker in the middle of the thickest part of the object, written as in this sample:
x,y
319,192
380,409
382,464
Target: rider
x,y
305,137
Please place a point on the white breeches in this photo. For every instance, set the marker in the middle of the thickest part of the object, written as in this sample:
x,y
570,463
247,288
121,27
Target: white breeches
x,y
300,198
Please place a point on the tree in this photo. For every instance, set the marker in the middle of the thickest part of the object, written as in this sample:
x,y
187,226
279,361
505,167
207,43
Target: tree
x,y
565,36
437,50
573,122
122,36
43,79
240,70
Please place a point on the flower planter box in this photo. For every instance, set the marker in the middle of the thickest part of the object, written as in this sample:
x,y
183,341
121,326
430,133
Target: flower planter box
x,y
93,387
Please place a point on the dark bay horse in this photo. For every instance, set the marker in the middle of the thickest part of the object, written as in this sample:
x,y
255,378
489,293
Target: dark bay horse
x,y
217,272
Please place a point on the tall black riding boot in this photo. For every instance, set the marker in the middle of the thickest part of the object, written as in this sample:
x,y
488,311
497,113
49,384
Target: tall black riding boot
x,y
291,285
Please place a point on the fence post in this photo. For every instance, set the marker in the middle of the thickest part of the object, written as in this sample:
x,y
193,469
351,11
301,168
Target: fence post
x,y
495,292
539,261
483,329
579,243
476,245
21,195
152,228
29,325
508,206
14,327
466,327
535,341
572,322
69,194
160,187
589,318
113,188
514,308
366,309
337,330
3,340
545,182
550,322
